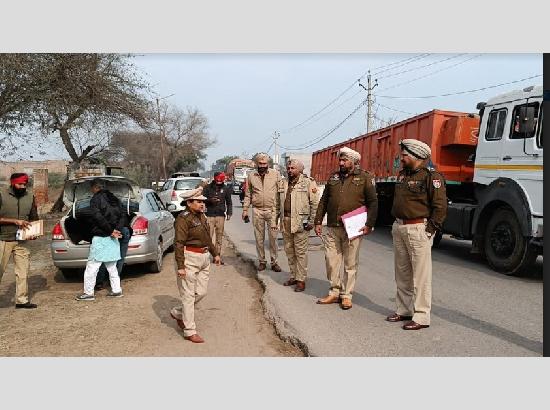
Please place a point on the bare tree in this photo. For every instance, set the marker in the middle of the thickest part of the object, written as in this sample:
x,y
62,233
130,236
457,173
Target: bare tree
x,y
185,135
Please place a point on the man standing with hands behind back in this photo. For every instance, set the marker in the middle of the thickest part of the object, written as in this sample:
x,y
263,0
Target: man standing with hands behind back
x,y
348,189
420,207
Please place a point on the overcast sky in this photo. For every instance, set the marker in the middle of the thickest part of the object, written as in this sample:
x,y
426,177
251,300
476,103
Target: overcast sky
x,y
247,97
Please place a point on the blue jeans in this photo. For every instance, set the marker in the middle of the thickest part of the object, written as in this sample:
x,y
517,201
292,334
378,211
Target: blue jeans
x,y
102,275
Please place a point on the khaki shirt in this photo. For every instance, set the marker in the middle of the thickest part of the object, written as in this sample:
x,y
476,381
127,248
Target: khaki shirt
x,y
345,195
421,193
191,230
304,199
261,194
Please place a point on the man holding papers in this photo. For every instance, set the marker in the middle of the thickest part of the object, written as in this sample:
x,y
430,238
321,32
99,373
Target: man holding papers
x,y
420,207
347,191
17,209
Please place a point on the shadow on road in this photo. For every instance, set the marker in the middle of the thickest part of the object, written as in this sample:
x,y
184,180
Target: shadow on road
x,y
37,283
162,305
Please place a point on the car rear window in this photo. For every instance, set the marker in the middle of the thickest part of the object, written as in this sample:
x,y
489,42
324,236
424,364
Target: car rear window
x,y
187,183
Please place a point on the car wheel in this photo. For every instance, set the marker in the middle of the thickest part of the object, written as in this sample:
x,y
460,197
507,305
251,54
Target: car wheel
x,y
506,249
156,265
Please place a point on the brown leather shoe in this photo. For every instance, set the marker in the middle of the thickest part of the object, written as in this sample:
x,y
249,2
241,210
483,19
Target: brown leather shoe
x,y
346,303
180,322
398,318
194,338
300,286
262,266
290,282
276,268
412,325
327,300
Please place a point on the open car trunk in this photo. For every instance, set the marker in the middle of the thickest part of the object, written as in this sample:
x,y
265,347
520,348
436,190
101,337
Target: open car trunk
x,y
77,196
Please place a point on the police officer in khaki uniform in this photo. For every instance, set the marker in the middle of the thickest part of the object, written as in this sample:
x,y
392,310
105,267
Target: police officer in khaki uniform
x,y
420,207
295,206
347,190
261,190
193,243
17,209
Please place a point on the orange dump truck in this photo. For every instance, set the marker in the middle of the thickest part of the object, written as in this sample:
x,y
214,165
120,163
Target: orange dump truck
x,y
452,137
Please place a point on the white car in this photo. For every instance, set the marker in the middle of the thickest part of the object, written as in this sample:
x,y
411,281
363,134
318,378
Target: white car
x,y
174,187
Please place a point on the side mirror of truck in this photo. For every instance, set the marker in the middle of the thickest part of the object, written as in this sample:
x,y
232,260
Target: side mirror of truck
x,y
526,120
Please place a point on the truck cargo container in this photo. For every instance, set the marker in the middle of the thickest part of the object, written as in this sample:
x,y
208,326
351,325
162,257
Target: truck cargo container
x,y
492,164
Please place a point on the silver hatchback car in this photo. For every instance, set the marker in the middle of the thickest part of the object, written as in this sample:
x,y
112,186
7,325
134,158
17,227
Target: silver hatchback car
x,y
153,226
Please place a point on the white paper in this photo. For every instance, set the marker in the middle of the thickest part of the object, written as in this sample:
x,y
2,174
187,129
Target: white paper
x,y
36,229
354,224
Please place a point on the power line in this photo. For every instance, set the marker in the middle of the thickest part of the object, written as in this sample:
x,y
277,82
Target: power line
x,y
432,73
422,66
328,133
405,61
394,109
460,92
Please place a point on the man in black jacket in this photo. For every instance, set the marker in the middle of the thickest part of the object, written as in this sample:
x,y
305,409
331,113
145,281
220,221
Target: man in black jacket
x,y
218,208
105,204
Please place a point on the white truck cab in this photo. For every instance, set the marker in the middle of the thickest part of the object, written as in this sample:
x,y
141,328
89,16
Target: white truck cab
x,y
508,175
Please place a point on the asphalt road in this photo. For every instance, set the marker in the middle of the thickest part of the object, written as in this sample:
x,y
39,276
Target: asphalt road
x,y
475,311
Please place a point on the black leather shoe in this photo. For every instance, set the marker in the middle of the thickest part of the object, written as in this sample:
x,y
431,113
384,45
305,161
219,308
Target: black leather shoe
x,y
27,305
412,325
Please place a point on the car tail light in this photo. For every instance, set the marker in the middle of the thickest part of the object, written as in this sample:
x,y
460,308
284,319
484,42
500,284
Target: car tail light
x,y
140,226
57,233
174,196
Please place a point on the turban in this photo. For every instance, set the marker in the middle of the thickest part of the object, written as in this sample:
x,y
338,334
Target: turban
x,y
219,177
193,194
416,148
349,154
261,156
22,179
297,163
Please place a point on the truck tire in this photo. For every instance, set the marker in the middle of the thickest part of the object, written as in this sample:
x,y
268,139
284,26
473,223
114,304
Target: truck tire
x,y
437,239
505,247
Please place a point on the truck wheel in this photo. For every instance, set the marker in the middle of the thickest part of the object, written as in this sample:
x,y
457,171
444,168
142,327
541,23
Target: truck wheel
x,y
506,249
437,239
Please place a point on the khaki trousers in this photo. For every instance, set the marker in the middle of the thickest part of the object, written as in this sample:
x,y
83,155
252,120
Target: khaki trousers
x,y
216,224
339,248
413,271
261,219
21,259
192,289
296,247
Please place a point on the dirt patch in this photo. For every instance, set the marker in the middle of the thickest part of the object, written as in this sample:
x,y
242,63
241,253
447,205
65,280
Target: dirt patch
x,y
229,318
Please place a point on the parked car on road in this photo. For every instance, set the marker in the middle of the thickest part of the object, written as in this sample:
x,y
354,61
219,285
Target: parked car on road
x,y
174,187
152,224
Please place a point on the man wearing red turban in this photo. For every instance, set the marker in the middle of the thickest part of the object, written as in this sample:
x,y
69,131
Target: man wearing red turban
x,y
17,209
219,207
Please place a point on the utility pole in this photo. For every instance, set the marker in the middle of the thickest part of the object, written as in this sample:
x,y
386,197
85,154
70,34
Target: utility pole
x,y
370,100
276,136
